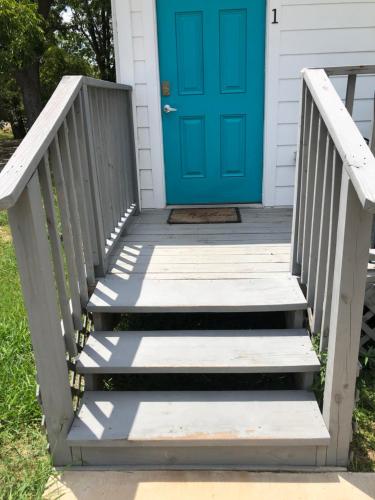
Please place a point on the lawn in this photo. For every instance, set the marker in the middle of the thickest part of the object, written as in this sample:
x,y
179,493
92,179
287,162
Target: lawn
x,y
24,462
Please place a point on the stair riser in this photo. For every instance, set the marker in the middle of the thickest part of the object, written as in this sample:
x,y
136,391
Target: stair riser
x,y
198,457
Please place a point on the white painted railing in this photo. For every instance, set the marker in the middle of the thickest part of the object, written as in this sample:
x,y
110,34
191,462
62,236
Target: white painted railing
x,y
334,203
70,189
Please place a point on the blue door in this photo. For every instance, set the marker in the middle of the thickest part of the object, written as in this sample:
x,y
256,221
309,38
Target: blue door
x,y
211,56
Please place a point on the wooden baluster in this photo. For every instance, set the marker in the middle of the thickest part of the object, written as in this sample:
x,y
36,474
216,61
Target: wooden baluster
x,y
133,173
321,161
116,144
71,182
322,252
333,218
69,246
57,256
304,164
103,165
350,93
295,265
28,225
119,119
77,179
315,128
100,268
353,238
87,187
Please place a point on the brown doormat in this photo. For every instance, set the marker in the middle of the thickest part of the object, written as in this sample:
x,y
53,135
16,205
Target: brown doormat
x,y
204,215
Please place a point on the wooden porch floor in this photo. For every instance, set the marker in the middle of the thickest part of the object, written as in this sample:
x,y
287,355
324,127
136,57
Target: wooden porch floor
x,y
258,247
244,266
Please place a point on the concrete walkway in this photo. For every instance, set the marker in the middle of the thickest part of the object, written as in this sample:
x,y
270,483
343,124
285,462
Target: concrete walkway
x,y
90,485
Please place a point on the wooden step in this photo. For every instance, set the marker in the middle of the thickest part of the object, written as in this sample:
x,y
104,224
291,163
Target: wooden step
x,y
199,418
120,293
246,351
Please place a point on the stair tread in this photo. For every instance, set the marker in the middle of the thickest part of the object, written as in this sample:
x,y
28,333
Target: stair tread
x,y
251,351
119,294
185,418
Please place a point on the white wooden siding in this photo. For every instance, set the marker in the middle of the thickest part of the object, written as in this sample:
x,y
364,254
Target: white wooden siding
x,y
310,33
319,33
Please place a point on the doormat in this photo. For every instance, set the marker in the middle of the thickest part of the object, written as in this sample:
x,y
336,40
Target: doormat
x,y
204,216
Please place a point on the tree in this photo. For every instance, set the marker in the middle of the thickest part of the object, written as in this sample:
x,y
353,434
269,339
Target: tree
x,y
22,43
11,108
90,29
37,48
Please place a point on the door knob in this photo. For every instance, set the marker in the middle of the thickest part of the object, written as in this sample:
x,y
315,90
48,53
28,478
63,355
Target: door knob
x,y
168,109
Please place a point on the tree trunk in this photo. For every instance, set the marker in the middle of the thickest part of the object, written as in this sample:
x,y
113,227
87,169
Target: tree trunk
x,y
29,83
18,128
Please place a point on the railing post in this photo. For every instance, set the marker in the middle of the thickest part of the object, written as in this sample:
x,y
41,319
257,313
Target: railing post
x,y
353,237
27,221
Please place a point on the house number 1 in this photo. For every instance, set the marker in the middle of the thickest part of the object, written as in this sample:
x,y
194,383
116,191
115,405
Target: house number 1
x,y
274,12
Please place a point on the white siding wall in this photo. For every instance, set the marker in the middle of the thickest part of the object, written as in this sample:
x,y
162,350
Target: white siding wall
x,y
319,33
310,33
136,64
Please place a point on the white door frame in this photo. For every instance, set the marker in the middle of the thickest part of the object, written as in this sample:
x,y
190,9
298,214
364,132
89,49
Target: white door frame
x,y
125,74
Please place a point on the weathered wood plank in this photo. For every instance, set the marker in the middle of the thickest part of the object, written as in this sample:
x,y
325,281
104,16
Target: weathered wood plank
x,y
355,153
315,131
304,174
207,229
80,198
333,220
350,93
28,155
27,221
245,351
71,195
87,188
94,182
258,418
321,161
69,247
353,238
57,256
295,265
116,294
324,236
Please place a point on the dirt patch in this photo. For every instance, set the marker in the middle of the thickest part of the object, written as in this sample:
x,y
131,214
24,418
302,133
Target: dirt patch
x,y
5,234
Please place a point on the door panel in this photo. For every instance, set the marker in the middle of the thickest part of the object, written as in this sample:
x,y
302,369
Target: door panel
x,y
211,56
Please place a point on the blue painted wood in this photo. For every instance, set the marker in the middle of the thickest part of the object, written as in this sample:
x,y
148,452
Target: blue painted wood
x,y
212,55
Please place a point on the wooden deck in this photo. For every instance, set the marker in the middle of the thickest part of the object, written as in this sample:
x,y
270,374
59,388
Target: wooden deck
x,y
158,267
258,247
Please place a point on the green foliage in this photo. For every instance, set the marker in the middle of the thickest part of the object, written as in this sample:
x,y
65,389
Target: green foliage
x,y
58,62
363,444
22,37
89,31
320,377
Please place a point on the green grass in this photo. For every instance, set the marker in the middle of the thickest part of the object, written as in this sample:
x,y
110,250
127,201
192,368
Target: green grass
x,y
363,444
5,135
24,462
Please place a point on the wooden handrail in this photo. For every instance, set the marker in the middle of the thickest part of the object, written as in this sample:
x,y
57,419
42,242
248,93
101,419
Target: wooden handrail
x,y
349,70
27,156
357,157
332,220
70,190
